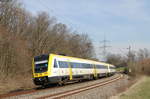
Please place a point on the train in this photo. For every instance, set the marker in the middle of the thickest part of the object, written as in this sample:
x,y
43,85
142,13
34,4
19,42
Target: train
x,y
52,68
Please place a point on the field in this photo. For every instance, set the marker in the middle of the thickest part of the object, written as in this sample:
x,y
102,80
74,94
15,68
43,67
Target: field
x,y
141,90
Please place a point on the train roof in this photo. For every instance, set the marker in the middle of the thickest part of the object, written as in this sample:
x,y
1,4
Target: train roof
x,y
81,59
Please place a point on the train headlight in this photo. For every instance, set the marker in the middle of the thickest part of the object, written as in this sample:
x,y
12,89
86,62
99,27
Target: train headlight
x,y
36,74
40,74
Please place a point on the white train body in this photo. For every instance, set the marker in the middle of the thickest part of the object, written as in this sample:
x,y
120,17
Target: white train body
x,y
56,68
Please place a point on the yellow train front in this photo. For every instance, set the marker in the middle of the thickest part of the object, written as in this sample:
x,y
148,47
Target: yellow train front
x,y
54,68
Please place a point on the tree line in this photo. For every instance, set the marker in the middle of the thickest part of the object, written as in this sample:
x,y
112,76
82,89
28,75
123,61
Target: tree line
x,y
23,36
138,62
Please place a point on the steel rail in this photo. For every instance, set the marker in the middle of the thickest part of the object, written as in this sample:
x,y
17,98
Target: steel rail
x,y
78,90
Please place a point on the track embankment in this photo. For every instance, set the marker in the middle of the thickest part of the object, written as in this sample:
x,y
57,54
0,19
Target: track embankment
x,y
101,88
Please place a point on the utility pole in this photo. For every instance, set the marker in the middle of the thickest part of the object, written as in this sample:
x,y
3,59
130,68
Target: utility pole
x,y
129,53
104,47
130,60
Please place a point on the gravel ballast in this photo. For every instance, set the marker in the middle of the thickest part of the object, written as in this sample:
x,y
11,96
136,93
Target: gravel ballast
x,y
102,92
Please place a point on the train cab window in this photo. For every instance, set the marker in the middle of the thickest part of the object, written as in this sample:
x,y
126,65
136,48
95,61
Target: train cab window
x,y
55,64
42,67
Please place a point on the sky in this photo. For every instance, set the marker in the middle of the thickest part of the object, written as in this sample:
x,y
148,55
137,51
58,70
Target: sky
x,y
123,22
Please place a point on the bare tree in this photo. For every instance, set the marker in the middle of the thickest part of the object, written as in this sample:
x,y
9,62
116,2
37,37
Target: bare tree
x,y
143,54
23,36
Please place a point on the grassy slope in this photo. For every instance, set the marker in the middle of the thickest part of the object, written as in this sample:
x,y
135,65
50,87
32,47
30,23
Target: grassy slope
x,y
139,91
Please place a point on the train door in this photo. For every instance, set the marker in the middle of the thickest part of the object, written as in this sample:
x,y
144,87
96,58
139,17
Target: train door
x,y
70,70
56,71
63,68
108,70
95,71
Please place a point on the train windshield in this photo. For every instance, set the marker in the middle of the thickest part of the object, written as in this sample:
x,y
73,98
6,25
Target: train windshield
x,y
42,67
41,63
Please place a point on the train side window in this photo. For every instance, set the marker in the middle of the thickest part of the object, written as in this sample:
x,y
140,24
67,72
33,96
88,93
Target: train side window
x,y
88,66
91,66
70,64
77,65
55,64
83,65
80,66
66,64
101,66
97,66
60,64
74,65
63,64
105,67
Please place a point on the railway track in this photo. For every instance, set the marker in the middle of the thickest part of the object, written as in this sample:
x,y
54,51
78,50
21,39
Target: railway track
x,y
75,91
62,94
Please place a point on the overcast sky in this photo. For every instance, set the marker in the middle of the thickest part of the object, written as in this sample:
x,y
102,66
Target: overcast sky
x,y
123,22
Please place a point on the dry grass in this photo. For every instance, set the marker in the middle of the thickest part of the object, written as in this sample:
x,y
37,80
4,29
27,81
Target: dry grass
x,y
139,91
16,83
124,85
